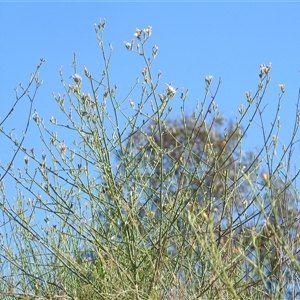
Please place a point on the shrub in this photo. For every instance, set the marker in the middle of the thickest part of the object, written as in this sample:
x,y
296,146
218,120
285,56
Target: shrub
x,y
158,208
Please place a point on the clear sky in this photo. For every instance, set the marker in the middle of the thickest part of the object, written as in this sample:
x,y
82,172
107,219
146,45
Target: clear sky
x,y
226,40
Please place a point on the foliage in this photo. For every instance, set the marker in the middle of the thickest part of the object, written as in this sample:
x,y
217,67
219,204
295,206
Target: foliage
x,y
156,209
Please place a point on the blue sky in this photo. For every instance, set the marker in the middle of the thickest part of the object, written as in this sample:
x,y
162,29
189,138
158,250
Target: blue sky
x,y
226,40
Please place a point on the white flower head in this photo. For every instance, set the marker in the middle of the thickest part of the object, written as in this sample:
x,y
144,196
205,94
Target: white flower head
x,y
127,45
138,33
171,91
208,79
77,78
282,87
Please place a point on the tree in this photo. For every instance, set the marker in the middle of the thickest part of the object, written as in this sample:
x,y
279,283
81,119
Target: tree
x,y
157,209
